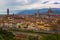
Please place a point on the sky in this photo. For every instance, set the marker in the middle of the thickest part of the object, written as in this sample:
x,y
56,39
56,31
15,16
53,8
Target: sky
x,y
27,4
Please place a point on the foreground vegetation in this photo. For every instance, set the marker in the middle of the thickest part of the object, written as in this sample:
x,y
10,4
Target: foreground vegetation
x,y
5,35
51,37
44,37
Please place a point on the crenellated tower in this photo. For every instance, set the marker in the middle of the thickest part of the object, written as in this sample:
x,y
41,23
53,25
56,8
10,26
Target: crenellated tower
x,y
7,11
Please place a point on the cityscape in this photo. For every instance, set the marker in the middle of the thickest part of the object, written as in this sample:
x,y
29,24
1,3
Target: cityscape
x,y
29,19
35,21
31,25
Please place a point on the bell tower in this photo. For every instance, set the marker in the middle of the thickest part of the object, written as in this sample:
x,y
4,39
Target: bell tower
x,y
37,13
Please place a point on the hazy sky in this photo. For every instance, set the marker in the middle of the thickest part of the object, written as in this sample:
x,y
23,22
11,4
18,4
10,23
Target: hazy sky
x,y
27,4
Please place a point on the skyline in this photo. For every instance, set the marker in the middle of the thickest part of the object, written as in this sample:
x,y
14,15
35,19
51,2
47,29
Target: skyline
x,y
27,4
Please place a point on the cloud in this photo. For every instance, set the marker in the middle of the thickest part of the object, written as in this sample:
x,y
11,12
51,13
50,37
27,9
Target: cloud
x,y
51,1
8,3
28,4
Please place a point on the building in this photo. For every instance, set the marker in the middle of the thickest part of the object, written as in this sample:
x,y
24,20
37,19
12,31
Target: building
x,y
37,21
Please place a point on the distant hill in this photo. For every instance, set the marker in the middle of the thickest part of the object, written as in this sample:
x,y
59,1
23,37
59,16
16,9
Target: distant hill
x,y
42,11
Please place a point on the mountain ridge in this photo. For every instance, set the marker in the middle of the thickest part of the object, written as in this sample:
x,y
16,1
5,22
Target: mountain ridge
x,y
42,11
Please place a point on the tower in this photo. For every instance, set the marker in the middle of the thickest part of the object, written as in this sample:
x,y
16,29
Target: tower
x,y
49,11
37,14
7,11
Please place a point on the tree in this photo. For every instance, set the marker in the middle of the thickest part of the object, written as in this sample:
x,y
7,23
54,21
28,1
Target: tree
x,y
5,35
51,37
